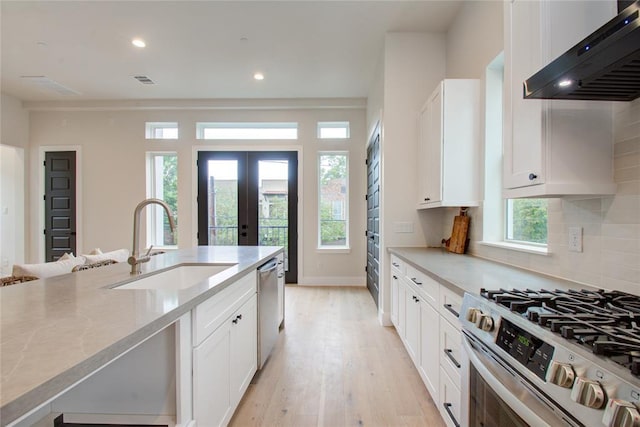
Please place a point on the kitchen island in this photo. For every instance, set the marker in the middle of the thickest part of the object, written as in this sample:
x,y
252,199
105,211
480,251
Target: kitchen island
x,y
57,332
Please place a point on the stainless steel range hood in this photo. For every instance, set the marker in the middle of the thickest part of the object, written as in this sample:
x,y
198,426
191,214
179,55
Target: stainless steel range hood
x,y
605,66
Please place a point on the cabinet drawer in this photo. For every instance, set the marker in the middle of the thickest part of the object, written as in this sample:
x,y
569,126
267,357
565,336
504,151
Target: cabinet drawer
x,y
429,287
210,314
451,351
450,400
398,264
450,304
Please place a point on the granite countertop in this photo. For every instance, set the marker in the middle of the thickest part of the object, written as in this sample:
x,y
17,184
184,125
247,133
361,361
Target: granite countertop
x,y
54,332
466,273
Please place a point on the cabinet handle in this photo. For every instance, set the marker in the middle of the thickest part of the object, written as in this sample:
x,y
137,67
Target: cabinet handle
x,y
449,308
447,407
426,199
414,280
395,277
395,265
532,176
280,276
449,354
238,317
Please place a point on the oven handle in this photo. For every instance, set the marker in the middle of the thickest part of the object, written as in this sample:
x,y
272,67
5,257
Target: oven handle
x,y
508,396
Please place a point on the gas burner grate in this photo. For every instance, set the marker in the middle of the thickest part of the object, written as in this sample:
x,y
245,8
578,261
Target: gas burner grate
x,y
605,322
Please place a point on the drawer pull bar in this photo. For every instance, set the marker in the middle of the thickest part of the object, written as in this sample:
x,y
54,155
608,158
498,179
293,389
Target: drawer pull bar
x,y
447,407
449,354
395,264
449,307
414,280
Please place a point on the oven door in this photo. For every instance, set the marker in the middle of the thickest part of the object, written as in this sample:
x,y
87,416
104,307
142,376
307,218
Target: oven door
x,y
496,396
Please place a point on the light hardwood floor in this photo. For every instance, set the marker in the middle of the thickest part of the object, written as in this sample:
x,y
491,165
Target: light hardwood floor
x,y
334,365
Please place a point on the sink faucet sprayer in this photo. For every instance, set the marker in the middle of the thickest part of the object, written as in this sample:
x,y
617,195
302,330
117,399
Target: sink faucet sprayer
x,y
135,260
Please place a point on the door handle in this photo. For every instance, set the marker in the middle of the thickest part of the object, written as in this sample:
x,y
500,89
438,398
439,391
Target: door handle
x,y
243,234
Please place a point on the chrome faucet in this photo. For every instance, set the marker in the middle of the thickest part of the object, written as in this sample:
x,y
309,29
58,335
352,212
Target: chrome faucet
x,y
135,259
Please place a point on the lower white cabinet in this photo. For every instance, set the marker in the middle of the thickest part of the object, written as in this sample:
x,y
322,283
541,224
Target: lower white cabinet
x,y
281,278
223,365
429,347
425,314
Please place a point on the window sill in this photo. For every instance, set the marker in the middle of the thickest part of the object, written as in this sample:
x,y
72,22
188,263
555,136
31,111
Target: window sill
x,y
544,251
336,250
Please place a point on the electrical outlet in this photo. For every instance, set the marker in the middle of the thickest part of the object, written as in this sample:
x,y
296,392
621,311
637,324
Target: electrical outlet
x,y
575,239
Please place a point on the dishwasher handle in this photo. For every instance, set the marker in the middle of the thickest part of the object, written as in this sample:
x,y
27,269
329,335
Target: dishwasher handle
x,y
268,266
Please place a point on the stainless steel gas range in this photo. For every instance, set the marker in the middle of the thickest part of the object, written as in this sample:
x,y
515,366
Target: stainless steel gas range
x,y
560,357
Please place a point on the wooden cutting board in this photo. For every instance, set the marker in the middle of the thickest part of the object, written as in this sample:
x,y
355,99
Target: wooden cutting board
x,y
459,235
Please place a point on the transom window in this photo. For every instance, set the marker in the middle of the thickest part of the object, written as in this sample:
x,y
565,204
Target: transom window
x,y
333,130
161,130
271,130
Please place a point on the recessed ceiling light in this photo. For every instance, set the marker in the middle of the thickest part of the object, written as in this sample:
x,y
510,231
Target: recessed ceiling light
x,y
564,83
258,76
138,43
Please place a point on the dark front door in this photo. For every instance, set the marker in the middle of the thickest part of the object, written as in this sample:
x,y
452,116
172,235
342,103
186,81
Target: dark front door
x,y
373,215
250,198
60,203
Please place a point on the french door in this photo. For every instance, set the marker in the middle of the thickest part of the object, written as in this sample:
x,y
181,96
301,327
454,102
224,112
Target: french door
x,y
249,198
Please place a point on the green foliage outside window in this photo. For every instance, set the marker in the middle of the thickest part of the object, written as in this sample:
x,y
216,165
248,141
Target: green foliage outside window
x,y
333,183
170,195
528,220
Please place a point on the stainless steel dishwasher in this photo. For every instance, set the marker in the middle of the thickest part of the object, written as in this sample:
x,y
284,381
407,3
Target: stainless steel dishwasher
x,y
267,309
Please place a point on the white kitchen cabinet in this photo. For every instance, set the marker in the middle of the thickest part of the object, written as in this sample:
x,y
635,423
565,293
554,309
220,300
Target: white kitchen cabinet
x,y
223,365
449,146
395,294
412,323
429,347
552,147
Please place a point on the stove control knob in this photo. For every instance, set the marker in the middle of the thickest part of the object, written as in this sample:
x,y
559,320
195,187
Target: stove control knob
x,y
561,374
485,322
473,314
588,393
620,413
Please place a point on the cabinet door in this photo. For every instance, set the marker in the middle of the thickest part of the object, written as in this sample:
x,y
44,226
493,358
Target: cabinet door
x,y
402,310
434,147
429,347
211,379
244,350
412,325
523,117
395,284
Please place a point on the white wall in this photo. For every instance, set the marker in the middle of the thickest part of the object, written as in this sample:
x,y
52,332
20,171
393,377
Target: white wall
x,y
14,142
113,164
413,65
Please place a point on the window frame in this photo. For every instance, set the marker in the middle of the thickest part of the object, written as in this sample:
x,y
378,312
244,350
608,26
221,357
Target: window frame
x,y
333,125
203,127
153,182
346,211
151,127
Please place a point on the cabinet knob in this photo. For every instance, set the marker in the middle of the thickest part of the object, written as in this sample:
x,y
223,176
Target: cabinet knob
x,y
532,176
426,199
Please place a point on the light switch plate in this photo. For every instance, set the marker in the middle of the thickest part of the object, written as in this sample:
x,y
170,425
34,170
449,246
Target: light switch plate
x,y
575,239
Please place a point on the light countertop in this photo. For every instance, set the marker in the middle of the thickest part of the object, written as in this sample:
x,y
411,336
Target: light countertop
x,y
56,331
466,273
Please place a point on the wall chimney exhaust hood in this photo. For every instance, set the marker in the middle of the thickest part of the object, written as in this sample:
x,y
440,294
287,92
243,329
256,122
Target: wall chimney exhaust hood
x,y
605,66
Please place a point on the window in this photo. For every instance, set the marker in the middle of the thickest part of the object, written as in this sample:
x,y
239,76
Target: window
x,y
333,130
526,221
161,130
333,197
247,130
514,223
162,183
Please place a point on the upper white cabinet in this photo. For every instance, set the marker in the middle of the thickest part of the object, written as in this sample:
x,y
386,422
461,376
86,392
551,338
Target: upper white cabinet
x,y
552,147
449,146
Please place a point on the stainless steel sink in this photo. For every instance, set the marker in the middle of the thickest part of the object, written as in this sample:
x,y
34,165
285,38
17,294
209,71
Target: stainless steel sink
x,y
177,278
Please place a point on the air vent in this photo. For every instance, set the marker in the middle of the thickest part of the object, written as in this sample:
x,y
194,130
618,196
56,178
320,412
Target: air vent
x,y
46,83
144,80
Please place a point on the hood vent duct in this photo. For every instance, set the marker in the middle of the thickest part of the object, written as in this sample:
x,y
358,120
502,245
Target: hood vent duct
x,y
605,66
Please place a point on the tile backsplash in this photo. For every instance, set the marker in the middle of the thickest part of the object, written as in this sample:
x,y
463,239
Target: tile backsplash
x,y
611,236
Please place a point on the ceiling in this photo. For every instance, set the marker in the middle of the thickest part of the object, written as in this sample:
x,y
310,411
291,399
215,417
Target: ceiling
x,y
81,50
